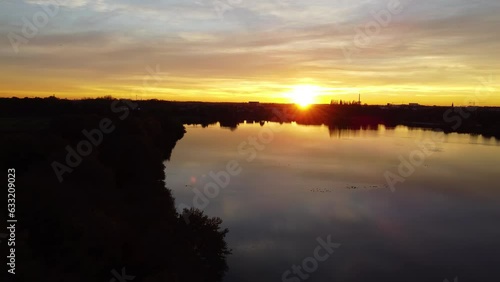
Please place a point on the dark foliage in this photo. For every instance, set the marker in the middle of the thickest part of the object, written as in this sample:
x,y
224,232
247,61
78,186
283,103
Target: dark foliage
x,y
112,210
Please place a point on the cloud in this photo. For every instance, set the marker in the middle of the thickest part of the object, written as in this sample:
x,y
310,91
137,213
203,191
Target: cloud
x,y
430,47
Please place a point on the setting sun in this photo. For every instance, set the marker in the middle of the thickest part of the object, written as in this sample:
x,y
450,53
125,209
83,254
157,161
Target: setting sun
x,y
304,95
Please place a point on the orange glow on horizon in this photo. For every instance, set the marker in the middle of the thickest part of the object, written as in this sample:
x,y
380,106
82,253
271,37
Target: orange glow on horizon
x,y
302,93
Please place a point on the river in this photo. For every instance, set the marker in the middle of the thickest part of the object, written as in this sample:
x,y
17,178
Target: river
x,y
309,203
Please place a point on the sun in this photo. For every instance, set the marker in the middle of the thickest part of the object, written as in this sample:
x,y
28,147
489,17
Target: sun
x,y
304,95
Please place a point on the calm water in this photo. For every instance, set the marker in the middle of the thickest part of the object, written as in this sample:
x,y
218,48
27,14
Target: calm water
x,y
308,183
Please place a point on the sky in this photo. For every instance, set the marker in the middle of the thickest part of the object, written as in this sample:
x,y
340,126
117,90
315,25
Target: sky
x,y
389,51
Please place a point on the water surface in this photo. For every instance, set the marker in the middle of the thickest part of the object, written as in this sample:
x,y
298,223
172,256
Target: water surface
x,y
300,183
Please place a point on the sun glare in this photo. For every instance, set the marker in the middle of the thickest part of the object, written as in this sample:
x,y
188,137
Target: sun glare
x,y
304,95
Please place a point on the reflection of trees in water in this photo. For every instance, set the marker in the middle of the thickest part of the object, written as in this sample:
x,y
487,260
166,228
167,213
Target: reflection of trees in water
x,y
349,131
482,120
230,124
112,211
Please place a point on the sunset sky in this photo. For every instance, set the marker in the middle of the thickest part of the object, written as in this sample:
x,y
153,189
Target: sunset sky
x,y
423,51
